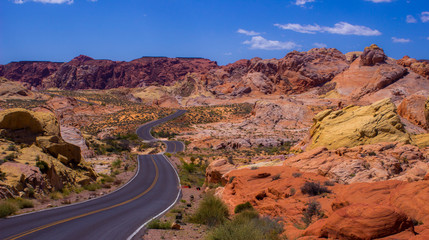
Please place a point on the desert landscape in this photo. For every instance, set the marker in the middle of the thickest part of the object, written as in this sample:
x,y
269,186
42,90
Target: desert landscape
x,y
323,142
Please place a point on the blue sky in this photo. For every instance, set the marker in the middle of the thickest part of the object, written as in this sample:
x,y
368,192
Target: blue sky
x,y
222,30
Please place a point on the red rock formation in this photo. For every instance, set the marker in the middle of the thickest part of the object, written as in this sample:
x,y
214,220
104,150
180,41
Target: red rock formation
x,y
29,71
420,67
355,211
295,73
84,72
413,109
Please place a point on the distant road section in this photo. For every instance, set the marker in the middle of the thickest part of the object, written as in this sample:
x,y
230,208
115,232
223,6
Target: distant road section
x,y
172,146
118,215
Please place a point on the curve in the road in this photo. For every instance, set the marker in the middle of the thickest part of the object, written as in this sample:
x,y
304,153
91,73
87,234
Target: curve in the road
x,y
153,190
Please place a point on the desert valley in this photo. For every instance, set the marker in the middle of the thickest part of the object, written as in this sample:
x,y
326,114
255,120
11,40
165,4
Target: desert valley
x,y
318,144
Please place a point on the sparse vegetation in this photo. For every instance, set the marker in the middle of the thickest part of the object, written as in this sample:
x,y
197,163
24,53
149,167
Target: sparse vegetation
x,y
7,208
313,209
248,225
211,211
157,224
11,205
314,189
43,166
244,206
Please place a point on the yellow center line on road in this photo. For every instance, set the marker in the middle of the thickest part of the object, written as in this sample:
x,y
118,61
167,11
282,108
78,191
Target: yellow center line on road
x,y
20,235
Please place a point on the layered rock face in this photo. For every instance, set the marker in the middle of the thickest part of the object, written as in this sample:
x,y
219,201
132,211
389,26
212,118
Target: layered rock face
x,y
31,72
84,72
353,126
38,133
296,72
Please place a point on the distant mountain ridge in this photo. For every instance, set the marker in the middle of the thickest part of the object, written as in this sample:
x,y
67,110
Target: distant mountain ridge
x,y
295,73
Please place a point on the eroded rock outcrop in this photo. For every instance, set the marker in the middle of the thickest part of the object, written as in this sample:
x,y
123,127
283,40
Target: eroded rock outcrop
x,y
296,72
414,108
367,163
355,211
374,76
44,161
353,126
31,72
419,67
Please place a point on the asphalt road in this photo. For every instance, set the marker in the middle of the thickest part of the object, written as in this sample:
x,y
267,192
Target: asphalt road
x,y
118,215
172,146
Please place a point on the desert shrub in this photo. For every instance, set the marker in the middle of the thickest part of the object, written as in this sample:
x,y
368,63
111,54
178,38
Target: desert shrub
x,y
117,163
314,189
275,177
21,203
247,226
244,206
92,186
157,224
329,183
313,209
6,209
231,179
106,178
296,174
2,175
43,166
12,148
10,157
55,195
168,155
212,211
254,168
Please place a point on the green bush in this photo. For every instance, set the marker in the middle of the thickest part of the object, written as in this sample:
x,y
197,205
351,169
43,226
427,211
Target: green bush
x,y
117,163
244,206
22,203
157,224
43,166
247,226
7,209
314,189
92,187
212,211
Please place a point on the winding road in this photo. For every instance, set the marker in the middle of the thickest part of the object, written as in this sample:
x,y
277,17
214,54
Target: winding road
x,y
119,215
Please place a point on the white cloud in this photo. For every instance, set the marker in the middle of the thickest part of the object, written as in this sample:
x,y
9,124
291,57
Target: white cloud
x,y
302,2
259,42
248,33
44,1
228,54
320,45
312,29
425,16
400,40
411,19
379,1
342,28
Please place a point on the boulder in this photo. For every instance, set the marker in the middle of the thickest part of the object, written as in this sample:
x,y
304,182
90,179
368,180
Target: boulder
x,y
415,108
354,125
365,221
372,55
39,123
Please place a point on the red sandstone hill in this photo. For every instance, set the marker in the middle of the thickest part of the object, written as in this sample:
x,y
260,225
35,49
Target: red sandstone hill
x,y
85,73
371,74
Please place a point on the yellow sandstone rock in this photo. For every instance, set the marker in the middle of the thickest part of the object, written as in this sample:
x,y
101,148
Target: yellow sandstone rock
x,y
354,125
